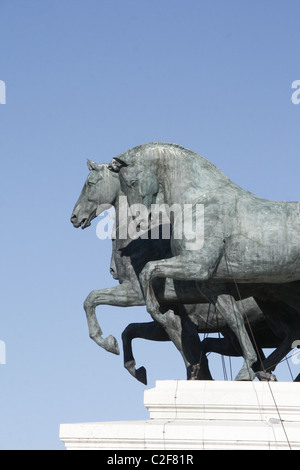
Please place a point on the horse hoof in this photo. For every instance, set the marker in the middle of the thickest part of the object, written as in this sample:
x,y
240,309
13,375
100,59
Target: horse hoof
x,y
266,376
141,375
111,345
245,375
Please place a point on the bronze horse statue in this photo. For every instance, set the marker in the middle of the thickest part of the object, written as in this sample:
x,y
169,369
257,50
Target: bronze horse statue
x,y
101,188
245,239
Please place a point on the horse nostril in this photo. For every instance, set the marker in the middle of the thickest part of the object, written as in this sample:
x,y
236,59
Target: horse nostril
x,y
73,218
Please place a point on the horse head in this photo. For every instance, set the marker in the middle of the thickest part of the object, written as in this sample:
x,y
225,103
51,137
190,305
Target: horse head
x,y
100,191
140,184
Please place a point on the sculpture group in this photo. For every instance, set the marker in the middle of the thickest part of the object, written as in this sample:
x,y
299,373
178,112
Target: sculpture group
x,y
241,280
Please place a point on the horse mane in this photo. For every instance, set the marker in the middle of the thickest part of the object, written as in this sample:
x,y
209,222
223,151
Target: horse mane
x,y
169,150
174,149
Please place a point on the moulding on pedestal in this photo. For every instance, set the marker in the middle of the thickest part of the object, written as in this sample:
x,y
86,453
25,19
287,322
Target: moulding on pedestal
x,y
192,415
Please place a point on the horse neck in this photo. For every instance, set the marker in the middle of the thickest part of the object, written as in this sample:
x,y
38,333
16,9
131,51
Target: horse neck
x,y
119,242
186,177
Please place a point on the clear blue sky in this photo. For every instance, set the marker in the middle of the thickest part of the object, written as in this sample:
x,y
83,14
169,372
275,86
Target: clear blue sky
x,y
90,79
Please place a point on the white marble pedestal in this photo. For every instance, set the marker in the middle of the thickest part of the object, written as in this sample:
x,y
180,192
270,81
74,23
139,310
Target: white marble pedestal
x,y
196,415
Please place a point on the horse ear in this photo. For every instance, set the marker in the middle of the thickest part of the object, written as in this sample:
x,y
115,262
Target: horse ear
x,y
116,164
92,165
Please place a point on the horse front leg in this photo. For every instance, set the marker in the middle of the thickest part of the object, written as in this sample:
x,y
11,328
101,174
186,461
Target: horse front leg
x,y
122,295
178,267
151,331
188,267
194,359
168,320
226,347
176,326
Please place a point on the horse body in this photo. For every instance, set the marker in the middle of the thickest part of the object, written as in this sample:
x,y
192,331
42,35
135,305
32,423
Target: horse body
x,y
262,237
246,239
262,240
